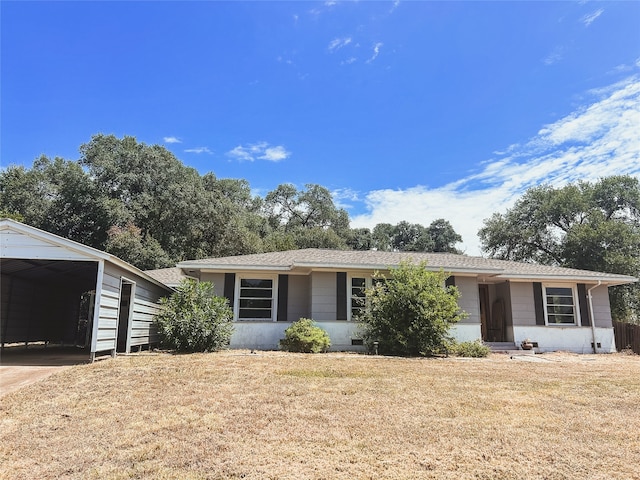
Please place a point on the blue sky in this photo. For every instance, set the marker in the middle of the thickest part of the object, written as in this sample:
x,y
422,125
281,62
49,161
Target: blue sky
x,y
405,110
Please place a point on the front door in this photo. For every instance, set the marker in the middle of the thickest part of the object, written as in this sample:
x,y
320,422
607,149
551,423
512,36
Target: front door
x,y
492,316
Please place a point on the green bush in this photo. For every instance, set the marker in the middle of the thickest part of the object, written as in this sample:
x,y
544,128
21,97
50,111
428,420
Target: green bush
x,y
306,337
193,319
410,311
474,349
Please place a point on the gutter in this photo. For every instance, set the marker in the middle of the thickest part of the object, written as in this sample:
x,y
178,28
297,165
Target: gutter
x,y
592,316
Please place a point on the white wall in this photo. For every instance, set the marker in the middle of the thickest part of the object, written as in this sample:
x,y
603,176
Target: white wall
x,y
267,335
570,339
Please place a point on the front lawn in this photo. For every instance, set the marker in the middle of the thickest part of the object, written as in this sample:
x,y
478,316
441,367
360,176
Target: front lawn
x,y
276,415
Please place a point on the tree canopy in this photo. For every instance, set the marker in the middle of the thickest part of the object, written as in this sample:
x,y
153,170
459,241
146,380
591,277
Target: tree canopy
x,y
144,205
591,226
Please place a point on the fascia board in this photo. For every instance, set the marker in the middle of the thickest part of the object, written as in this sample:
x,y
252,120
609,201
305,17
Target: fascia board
x,y
571,278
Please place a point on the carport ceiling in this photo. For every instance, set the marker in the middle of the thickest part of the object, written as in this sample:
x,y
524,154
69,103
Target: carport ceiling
x,y
46,271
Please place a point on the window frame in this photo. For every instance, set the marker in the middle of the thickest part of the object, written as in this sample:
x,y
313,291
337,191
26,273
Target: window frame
x,y
350,296
368,283
273,298
577,321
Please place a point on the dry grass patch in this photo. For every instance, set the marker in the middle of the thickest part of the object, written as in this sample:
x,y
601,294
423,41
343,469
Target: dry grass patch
x,y
293,416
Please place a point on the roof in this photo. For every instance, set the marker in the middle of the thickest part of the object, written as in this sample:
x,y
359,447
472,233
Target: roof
x,y
46,246
318,259
169,276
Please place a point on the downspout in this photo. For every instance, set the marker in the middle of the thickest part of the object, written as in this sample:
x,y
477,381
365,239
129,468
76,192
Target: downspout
x,y
592,316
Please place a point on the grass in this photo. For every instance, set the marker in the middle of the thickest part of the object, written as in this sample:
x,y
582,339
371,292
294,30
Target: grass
x,y
274,415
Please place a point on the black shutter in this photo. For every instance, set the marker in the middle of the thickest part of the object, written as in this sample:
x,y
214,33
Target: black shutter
x,y
539,304
341,295
582,301
283,296
450,282
229,287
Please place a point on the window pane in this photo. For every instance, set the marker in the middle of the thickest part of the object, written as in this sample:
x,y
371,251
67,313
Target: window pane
x,y
256,283
562,319
560,309
255,293
255,303
253,313
358,282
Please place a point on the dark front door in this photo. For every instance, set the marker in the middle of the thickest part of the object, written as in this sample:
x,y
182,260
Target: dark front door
x,y
491,316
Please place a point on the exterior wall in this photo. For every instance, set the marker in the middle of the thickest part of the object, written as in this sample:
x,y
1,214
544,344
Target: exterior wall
x,y
323,296
469,300
465,332
20,245
144,307
298,298
601,306
523,309
218,282
267,335
570,339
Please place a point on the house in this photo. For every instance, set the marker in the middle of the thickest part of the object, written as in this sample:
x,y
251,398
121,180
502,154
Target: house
x,y
557,308
57,291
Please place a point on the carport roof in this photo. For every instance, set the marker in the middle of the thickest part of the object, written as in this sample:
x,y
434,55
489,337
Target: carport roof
x,y
44,249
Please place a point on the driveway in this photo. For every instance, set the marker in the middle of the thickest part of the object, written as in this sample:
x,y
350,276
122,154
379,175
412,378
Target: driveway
x,y
21,366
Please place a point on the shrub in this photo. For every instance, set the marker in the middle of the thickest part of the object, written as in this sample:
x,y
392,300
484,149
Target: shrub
x,y
410,312
306,337
193,319
474,349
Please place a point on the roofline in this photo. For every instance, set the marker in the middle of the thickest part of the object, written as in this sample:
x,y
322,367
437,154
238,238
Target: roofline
x,y
609,280
9,224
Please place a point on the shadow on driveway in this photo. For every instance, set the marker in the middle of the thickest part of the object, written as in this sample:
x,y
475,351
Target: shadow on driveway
x,y
20,366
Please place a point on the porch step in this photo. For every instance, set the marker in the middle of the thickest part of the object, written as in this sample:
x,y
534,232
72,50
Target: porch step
x,y
508,348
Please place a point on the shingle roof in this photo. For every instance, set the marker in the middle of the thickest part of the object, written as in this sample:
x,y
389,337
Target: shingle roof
x,y
370,259
169,276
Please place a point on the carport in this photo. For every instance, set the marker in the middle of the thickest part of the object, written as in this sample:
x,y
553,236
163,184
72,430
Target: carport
x,y
58,292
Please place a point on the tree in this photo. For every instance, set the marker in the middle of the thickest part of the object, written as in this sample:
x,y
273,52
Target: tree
x,y
57,196
411,311
309,218
591,226
443,236
193,319
413,237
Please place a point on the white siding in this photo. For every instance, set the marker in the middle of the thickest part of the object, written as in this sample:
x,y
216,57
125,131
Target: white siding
x,y
298,298
218,282
19,245
323,296
469,299
601,307
523,309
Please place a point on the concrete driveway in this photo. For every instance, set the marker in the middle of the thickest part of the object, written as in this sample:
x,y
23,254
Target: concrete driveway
x,y
21,366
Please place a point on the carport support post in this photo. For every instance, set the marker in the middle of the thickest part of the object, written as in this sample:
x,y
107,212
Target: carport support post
x,y
96,311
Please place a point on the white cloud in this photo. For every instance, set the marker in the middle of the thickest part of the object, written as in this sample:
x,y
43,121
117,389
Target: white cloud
x,y
396,4
274,154
591,17
338,43
260,151
348,61
555,56
595,141
376,52
199,150
172,140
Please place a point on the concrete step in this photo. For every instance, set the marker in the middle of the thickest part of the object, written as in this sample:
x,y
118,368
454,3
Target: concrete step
x,y
509,348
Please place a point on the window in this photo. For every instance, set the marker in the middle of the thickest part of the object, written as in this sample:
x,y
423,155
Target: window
x,y
358,299
357,296
560,306
255,299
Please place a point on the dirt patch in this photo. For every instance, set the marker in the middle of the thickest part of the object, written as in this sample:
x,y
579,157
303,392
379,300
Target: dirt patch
x,y
21,366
